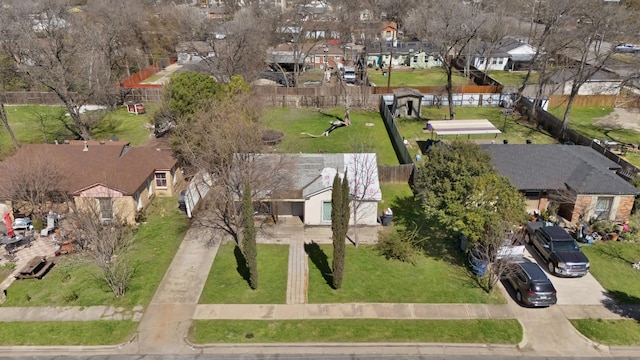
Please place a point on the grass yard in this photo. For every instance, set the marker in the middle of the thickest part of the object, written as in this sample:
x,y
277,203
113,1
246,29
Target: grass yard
x,y
367,132
357,330
410,77
227,282
514,131
581,120
125,126
391,192
72,282
514,78
39,124
369,277
610,332
611,266
66,333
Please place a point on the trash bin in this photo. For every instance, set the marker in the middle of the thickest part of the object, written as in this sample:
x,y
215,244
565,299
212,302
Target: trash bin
x,y
386,220
478,265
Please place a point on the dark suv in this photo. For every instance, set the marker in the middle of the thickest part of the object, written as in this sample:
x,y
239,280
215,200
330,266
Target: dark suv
x,y
531,284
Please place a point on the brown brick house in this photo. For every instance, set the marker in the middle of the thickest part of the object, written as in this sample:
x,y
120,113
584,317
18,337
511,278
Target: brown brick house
x,y
579,180
118,178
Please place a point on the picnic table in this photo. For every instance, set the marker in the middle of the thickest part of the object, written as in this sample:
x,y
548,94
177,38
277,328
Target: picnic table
x,y
36,268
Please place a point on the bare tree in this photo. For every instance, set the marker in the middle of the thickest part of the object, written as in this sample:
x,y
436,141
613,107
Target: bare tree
x,y
449,26
5,122
590,56
486,251
31,180
225,142
364,184
53,46
106,242
241,44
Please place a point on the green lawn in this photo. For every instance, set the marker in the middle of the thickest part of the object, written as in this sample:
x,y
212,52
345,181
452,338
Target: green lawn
x,y
60,333
72,282
367,132
581,119
514,78
39,124
514,131
610,332
611,266
391,192
369,277
357,330
404,77
227,282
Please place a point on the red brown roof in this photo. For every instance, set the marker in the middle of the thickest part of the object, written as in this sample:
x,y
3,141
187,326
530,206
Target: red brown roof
x,y
113,164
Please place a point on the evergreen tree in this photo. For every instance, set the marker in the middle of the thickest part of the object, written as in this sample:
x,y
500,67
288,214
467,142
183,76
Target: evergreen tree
x,y
340,214
249,247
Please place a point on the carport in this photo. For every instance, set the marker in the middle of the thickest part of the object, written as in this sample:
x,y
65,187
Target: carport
x,y
461,127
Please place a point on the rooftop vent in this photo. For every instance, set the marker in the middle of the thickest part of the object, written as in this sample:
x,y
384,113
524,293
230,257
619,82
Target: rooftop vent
x,y
86,146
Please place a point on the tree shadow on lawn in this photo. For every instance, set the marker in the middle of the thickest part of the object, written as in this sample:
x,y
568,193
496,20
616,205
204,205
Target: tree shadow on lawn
x,y
623,304
320,260
433,240
242,268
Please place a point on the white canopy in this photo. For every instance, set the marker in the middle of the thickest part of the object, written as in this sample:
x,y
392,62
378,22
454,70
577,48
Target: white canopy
x,y
463,127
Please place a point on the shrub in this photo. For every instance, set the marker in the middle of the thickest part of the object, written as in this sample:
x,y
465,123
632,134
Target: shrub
x,y
397,245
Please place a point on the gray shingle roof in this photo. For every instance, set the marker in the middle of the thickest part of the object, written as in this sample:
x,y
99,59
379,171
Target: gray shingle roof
x,y
555,167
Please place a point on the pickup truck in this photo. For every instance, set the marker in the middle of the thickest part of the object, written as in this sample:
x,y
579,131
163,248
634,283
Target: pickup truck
x,y
558,249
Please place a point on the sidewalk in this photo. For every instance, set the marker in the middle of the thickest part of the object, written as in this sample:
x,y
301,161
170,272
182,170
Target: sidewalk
x,y
165,323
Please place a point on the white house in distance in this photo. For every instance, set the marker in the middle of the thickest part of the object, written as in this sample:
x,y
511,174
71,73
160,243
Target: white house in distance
x,y
508,54
309,196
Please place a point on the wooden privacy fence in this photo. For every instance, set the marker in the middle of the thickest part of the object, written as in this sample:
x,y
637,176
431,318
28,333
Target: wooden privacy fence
x,y
583,100
394,135
134,81
395,173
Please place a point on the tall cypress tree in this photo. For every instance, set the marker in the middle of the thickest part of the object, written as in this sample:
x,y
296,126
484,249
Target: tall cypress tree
x,y
249,247
340,213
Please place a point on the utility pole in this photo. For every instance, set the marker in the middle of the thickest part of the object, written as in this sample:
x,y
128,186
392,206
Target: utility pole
x,y
389,72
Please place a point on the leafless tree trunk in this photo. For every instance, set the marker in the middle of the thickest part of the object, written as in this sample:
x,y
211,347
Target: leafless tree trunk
x,y
31,180
364,186
225,141
106,244
449,26
5,122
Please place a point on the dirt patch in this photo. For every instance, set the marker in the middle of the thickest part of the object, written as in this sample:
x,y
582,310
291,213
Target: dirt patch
x,y
620,118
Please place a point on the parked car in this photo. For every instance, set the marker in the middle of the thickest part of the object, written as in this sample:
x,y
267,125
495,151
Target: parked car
x,y
22,224
531,284
558,249
626,48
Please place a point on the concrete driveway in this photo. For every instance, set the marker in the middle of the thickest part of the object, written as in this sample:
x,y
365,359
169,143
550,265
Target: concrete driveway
x,y
573,291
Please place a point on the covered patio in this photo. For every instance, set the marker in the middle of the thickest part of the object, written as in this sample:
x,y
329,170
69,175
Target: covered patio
x,y
461,127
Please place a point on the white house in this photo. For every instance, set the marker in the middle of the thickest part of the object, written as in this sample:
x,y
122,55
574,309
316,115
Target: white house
x,y
192,52
508,54
312,176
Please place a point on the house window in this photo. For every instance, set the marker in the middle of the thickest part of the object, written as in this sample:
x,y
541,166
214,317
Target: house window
x,y
106,208
494,61
481,60
161,180
326,211
603,207
500,61
415,59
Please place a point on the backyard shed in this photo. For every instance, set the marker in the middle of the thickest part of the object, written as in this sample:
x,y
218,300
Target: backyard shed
x,y
406,102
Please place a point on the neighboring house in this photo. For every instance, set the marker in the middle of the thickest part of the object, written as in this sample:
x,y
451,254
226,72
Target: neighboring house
x,y
579,180
508,54
308,194
423,60
602,82
192,52
389,31
118,178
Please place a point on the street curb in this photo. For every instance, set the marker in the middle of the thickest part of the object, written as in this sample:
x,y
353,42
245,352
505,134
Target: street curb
x,y
55,349
348,346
